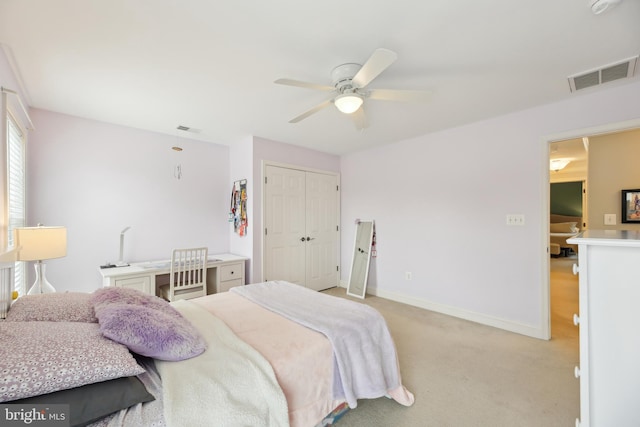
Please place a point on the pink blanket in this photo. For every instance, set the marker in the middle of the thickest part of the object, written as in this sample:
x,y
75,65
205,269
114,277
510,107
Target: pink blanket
x,y
301,358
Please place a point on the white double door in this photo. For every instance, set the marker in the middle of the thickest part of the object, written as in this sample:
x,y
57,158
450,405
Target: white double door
x,y
301,227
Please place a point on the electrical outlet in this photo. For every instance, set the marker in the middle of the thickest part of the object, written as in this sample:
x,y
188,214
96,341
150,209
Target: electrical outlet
x,y
407,275
515,219
609,219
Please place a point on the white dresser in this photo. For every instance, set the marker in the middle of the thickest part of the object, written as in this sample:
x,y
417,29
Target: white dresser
x,y
224,271
609,371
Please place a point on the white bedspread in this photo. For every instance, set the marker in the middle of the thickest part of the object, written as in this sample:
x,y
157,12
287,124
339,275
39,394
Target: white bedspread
x,y
365,355
230,384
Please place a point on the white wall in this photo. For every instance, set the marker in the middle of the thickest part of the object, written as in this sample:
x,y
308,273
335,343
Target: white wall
x,y
440,203
241,165
96,179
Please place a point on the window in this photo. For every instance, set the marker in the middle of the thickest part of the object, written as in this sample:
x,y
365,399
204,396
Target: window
x,y
16,191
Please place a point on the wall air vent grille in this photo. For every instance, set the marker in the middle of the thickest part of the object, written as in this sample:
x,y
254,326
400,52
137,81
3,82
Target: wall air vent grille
x,y
620,70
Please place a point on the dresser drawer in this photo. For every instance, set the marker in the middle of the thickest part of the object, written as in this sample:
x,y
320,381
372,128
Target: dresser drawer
x,y
231,272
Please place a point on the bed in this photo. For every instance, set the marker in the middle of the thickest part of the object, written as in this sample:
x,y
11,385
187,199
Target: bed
x,y
269,354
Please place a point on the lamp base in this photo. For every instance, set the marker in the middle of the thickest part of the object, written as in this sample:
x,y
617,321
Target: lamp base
x,y
41,285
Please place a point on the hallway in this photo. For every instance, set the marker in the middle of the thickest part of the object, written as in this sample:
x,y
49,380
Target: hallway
x,y
564,300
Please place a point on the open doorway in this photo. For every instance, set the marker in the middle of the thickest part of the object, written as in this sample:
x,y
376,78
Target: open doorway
x,y
568,212
610,165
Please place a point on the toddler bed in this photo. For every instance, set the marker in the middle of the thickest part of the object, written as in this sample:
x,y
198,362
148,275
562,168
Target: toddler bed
x,y
269,354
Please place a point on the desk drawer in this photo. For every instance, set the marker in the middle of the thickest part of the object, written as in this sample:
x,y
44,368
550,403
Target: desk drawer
x,y
228,284
140,283
231,272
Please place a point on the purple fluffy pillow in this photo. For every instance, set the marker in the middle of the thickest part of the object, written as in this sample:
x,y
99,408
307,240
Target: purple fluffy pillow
x,y
146,324
150,332
104,297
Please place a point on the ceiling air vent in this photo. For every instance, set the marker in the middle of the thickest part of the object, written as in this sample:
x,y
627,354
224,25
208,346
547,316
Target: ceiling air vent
x,y
608,73
188,129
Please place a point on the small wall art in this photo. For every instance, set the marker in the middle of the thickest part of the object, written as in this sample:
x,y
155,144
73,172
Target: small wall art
x,y
238,213
630,206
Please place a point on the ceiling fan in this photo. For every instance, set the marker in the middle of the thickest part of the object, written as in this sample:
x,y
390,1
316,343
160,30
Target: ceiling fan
x,y
349,88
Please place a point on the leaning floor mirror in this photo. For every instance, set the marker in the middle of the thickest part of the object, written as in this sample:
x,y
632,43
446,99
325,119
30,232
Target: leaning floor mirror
x,y
357,286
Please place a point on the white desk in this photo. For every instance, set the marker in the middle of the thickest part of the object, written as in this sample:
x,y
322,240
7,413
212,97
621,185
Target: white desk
x,y
224,271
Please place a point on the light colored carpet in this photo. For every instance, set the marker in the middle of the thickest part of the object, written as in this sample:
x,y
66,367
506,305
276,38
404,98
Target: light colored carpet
x,y
466,374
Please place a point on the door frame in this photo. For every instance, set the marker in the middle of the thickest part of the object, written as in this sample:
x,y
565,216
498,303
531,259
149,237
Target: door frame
x,y
547,140
263,204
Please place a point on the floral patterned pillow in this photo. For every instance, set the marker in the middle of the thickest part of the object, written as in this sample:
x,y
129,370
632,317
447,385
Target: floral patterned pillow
x,y
43,357
56,307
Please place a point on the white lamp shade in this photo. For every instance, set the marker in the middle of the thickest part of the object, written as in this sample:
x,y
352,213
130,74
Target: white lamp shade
x,y
39,243
348,103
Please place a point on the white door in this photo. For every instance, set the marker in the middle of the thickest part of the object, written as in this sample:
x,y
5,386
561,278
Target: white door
x,y
322,231
285,238
301,234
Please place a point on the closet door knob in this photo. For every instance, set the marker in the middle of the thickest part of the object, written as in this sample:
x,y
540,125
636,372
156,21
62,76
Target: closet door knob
x,y
576,269
302,239
576,319
576,372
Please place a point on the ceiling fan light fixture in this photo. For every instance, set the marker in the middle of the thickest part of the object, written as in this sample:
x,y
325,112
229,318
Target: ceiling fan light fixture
x,y
348,103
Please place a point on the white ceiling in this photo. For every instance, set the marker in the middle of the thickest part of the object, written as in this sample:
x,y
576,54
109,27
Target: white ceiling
x,y
210,65
577,151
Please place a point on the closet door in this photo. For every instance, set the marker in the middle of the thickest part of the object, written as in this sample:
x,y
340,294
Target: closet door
x,y
301,235
285,238
321,230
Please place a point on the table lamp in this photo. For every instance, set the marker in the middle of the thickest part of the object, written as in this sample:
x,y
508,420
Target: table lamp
x,y
38,244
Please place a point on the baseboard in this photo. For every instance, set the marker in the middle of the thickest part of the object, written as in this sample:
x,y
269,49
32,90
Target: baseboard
x,y
483,319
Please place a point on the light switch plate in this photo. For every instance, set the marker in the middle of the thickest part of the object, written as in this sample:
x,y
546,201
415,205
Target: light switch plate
x,y
609,219
515,219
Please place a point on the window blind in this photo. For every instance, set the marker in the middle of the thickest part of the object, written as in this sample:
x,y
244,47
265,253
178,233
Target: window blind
x,y
16,193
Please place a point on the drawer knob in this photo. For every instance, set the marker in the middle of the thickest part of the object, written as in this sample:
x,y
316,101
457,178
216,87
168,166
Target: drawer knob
x,y
576,319
576,372
576,269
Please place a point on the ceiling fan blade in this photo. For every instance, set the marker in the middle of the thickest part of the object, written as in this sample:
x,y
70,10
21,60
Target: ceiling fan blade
x,y
400,95
311,111
306,85
359,118
379,61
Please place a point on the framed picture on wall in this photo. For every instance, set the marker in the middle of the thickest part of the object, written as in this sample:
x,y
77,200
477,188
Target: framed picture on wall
x,y
631,206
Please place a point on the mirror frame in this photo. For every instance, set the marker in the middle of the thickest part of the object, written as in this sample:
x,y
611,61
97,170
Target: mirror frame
x,y
351,288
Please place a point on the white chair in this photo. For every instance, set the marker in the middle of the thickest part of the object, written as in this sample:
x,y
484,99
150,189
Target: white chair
x,y
188,276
